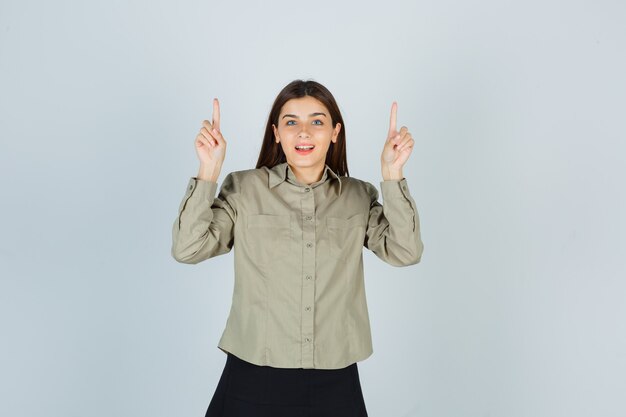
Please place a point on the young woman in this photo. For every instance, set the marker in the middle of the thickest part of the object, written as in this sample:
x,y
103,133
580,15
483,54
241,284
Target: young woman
x,y
299,322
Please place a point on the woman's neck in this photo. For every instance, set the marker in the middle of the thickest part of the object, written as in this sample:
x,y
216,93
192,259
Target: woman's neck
x,y
308,175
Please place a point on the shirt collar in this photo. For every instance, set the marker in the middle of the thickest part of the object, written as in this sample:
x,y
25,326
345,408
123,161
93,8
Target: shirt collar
x,y
281,172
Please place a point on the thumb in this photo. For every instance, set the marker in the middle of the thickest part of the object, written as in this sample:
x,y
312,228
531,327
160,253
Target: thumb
x,y
393,138
217,135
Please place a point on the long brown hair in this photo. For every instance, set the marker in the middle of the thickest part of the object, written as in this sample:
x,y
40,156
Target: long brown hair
x,y
272,153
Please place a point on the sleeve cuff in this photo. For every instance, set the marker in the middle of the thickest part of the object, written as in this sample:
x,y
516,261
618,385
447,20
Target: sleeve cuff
x,y
395,188
200,188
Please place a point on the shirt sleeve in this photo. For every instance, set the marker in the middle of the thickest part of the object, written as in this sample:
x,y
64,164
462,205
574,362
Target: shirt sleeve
x,y
393,228
205,224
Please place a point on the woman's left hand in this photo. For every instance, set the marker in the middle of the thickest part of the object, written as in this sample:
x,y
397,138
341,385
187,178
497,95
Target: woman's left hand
x,y
398,146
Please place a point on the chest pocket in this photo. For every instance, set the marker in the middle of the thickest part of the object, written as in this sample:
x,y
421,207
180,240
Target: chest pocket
x,y
268,237
346,235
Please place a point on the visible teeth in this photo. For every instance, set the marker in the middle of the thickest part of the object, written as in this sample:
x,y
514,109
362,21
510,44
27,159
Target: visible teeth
x,y
304,147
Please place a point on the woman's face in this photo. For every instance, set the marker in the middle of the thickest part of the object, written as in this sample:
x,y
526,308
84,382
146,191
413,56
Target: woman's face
x,y
305,121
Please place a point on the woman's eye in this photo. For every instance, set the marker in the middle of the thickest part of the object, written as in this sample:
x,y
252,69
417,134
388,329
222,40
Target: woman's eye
x,y
288,123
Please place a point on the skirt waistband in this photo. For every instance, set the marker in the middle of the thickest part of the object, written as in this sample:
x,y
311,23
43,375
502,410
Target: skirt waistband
x,y
291,386
233,359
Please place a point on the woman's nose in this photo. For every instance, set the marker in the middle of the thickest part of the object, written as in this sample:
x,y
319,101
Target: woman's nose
x,y
303,132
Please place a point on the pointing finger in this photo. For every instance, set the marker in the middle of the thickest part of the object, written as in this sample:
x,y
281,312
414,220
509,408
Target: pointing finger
x,y
216,114
392,119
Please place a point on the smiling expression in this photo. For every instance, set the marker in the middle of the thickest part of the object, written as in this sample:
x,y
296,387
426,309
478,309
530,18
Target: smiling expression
x,y
302,123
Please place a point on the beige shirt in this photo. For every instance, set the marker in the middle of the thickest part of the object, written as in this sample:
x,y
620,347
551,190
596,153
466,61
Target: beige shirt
x,y
299,295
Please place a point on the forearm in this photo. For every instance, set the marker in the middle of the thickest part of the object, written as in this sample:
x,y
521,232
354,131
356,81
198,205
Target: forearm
x,y
209,172
391,174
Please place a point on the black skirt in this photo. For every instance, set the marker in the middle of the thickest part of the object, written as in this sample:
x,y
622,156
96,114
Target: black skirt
x,y
249,390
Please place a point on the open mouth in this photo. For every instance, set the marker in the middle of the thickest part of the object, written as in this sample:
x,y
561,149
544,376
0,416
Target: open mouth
x,y
304,149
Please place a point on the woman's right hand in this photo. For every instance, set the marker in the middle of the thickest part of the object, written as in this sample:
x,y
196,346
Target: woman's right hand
x,y
210,144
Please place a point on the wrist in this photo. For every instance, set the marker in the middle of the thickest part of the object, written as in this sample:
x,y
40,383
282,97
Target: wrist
x,y
390,173
209,172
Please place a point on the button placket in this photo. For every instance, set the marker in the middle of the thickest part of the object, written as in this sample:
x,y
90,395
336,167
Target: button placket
x,y
308,271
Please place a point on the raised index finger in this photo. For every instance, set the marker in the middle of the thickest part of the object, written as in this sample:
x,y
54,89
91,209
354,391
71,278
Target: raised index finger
x,y
392,119
216,114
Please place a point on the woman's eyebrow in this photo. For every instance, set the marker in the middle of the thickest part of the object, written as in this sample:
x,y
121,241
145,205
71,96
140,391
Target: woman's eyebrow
x,y
310,115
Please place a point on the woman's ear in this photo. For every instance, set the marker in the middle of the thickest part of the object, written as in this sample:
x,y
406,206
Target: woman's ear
x,y
336,132
276,138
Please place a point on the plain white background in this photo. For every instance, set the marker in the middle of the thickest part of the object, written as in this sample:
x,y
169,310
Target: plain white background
x,y
517,110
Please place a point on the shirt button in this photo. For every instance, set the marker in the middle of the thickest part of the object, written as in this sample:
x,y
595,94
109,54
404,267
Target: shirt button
x,y
190,186
308,308
308,277
404,187
309,244
308,217
307,339
307,189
